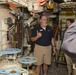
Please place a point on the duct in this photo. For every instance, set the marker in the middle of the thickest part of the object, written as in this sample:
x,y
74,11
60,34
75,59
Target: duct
x,y
29,21
32,5
34,23
26,16
17,13
33,20
19,2
2,2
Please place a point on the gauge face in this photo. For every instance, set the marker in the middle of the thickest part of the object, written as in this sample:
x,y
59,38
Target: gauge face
x,y
8,21
11,51
14,70
27,60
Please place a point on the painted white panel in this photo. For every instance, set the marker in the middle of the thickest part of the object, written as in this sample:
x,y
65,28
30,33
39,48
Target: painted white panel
x,y
4,13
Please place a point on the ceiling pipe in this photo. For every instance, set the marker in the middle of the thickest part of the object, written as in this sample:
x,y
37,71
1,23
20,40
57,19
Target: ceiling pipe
x,y
67,0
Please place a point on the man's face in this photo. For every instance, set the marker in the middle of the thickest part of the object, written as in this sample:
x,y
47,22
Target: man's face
x,y
68,23
43,20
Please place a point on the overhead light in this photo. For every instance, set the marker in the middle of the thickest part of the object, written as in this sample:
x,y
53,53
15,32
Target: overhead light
x,y
52,16
67,0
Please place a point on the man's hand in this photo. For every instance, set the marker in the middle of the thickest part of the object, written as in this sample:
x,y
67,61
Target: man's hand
x,y
54,51
39,34
36,37
75,65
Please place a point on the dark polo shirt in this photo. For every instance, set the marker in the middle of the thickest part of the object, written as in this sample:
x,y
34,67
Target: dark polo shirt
x,y
46,38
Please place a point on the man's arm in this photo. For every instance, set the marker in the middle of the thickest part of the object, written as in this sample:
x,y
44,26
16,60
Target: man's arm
x,y
54,47
53,42
33,39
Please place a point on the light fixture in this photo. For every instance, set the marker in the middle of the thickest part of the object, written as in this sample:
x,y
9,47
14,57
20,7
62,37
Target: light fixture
x,y
67,0
50,5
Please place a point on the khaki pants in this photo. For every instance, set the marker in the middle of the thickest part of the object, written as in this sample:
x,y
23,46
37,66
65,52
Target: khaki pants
x,y
69,63
74,68
74,72
43,54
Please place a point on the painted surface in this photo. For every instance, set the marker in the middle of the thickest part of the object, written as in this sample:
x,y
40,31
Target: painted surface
x,y
4,27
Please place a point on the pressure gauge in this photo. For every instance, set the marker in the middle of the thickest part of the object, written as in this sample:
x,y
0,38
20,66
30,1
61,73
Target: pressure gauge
x,y
8,21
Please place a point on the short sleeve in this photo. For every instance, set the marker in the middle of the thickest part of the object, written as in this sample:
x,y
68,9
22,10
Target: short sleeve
x,y
33,33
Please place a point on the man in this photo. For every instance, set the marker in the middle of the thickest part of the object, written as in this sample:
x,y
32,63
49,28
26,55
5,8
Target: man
x,y
68,59
69,42
74,64
43,37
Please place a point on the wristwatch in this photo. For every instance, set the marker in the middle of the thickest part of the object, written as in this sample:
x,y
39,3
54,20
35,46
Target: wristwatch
x,y
53,46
